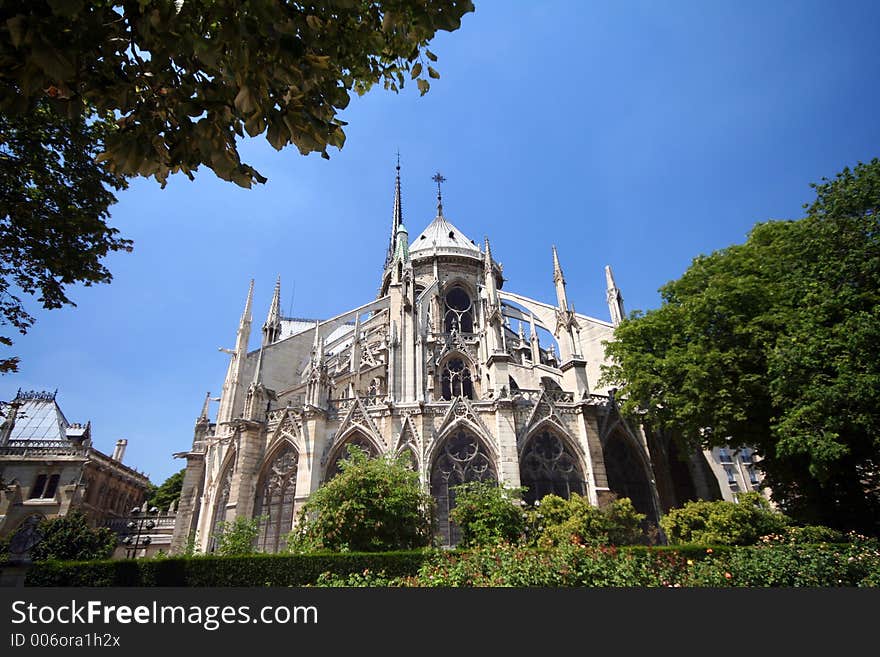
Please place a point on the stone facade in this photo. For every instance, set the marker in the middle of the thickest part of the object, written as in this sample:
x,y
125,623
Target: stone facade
x,y
48,467
468,380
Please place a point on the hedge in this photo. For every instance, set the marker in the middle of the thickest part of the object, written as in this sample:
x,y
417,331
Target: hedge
x,y
252,570
819,565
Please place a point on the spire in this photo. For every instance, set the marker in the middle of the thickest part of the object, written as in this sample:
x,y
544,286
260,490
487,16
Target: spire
x,y
614,297
488,262
396,216
534,342
272,327
205,407
522,335
244,326
559,281
246,314
236,365
557,270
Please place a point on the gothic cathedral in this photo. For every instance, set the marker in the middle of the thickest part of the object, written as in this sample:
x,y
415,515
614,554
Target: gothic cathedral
x,y
433,369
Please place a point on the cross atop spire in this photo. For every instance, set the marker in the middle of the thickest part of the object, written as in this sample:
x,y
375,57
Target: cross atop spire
x,y
438,178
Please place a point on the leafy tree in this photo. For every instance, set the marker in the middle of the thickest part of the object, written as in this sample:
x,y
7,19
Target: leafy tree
x,y
488,513
168,493
54,207
188,79
94,92
237,537
557,521
773,343
69,538
372,505
724,523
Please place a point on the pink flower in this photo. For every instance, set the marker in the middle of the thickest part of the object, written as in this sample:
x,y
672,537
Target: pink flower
x,y
728,575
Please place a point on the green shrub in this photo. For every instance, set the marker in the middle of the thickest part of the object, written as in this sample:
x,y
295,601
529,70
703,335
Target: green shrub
x,y
487,513
556,521
217,571
724,523
69,538
823,565
372,505
238,537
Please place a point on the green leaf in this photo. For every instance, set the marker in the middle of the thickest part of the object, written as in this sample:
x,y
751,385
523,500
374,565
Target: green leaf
x,y
416,71
424,85
433,73
431,55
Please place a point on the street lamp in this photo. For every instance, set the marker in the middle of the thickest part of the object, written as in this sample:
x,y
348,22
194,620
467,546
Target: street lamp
x,y
136,528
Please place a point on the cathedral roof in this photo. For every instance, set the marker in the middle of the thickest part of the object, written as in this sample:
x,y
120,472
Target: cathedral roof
x,y
445,238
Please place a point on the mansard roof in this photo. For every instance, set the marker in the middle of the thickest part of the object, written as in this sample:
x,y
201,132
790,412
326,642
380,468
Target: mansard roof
x,y
445,238
39,417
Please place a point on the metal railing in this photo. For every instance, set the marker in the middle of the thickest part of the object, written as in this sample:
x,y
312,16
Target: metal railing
x,y
42,448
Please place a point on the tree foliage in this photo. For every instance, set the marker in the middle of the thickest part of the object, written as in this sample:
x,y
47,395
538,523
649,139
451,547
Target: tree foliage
x,y
488,513
54,207
162,497
724,523
69,538
188,79
94,92
557,521
372,505
773,343
237,537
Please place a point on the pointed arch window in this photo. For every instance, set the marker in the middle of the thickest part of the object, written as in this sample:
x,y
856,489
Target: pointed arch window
x,y
455,380
458,312
356,439
463,458
220,505
549,466
627,476
276,494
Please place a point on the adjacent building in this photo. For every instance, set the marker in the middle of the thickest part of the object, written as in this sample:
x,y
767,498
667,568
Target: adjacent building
x,y
48,467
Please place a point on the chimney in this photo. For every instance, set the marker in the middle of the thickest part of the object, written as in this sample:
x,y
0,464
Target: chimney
x,y
120,449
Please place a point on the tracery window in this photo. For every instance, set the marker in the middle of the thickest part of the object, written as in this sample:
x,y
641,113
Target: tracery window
x,y
275,500
548,467
463,458
627,476
356,439
459,312
455,380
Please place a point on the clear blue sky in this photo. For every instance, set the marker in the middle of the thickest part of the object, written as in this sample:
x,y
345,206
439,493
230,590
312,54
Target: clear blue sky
x,y
636,134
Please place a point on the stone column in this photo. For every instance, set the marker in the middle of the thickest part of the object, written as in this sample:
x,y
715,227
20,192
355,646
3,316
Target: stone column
x,y
187,519
247,468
